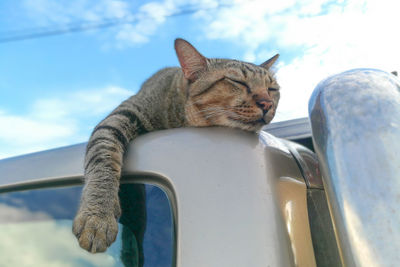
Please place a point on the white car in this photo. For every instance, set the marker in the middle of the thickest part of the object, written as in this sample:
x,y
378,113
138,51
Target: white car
x,y
222,197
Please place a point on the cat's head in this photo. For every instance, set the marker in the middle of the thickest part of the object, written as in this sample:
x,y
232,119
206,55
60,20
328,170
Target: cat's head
x,y
227,92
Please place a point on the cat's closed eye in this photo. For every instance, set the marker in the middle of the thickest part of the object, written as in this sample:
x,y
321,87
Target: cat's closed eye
x,y
272,89
238,83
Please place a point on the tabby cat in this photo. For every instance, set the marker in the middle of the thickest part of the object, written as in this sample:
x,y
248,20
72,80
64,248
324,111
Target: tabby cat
x,y
203,92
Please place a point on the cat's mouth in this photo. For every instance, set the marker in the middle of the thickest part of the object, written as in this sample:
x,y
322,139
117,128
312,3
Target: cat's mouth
x,y
249,122
247,118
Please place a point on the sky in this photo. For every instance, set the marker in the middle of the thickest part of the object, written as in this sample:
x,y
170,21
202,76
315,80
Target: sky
x,y
55,88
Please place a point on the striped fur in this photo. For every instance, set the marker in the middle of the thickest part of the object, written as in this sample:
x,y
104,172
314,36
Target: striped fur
x,y
203,92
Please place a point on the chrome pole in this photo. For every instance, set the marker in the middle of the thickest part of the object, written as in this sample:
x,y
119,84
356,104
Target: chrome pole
x,y
355,118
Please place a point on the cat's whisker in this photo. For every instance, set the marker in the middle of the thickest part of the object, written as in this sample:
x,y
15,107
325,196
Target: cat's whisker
x,y
213,112
225,112
210,109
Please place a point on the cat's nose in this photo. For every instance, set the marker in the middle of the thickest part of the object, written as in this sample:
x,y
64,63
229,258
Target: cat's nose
x,y
265,105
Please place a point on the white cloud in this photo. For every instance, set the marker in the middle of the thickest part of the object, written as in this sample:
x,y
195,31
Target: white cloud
x,y
12,214
53,122
297,80
256,22
149,17
84,103
25,131
47,243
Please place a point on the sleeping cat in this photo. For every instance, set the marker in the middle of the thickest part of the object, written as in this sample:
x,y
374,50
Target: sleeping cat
x,y
203,92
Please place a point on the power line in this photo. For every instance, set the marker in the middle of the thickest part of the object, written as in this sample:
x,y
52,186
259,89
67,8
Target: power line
x,y
40,32
59,31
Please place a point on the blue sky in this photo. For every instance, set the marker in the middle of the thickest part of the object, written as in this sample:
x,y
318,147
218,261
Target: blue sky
x,y
54,90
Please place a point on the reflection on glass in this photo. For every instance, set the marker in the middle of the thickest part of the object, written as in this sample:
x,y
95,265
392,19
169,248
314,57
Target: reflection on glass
x,y
35,229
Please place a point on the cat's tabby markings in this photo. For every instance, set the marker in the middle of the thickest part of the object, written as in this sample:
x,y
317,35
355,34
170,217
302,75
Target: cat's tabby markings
x,y
203,92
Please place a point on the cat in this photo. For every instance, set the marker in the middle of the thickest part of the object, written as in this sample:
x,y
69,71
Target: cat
x,y
203,92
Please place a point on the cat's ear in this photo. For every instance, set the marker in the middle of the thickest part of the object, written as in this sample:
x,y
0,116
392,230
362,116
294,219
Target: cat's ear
x,y
192,62
268,64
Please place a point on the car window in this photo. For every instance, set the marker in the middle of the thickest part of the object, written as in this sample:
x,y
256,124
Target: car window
x,y
35,227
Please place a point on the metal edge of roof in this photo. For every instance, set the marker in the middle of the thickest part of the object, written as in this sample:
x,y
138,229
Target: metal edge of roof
x,y
290,129
73,167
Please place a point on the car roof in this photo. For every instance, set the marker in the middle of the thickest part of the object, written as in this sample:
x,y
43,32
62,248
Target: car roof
x,y
66,163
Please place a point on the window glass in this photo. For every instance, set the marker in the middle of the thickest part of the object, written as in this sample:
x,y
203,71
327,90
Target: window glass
x,y
35,229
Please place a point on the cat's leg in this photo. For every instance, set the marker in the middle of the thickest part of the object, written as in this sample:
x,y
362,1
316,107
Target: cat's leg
x,y
95,224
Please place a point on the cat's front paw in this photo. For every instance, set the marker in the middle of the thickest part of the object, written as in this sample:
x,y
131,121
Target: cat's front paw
x,y
95,233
